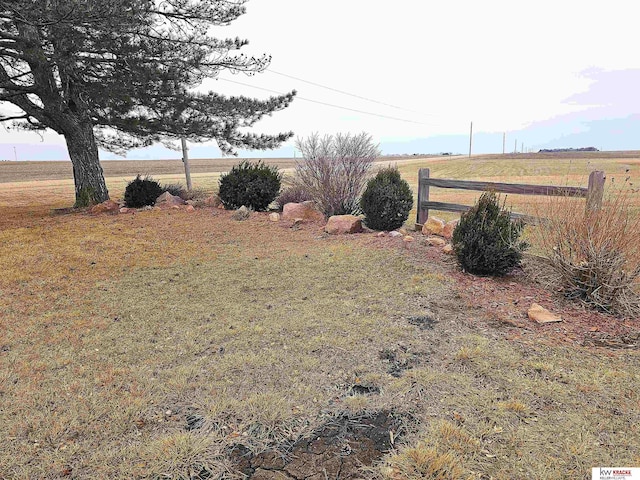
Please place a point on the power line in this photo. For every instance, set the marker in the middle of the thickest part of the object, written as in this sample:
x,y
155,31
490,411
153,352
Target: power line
x,y
349,94
324,103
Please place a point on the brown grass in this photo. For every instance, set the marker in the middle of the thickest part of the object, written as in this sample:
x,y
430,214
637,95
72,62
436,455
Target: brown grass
x,y
114,330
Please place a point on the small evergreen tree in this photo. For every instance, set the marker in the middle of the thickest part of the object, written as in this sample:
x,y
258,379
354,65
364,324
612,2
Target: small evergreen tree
x,y
254,185
141,192
386,200
487,241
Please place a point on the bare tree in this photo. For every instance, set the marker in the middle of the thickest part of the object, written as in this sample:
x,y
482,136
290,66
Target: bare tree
x,y
121,74
334,169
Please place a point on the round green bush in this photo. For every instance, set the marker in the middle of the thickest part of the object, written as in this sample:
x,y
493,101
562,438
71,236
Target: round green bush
x,y
141,192
486,241
387,200
254,185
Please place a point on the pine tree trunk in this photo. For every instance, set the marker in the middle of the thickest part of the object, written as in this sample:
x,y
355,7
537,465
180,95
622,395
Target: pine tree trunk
x,y
87,171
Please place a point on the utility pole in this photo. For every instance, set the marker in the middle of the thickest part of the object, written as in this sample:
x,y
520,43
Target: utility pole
x,y
15,154
504,139
185,160
470,139
515,146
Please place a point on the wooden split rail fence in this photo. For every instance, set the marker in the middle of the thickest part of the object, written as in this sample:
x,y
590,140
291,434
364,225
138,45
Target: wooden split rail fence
x,y
593,193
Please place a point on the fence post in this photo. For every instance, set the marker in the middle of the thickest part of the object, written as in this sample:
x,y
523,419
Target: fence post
x,y
595,190
423,196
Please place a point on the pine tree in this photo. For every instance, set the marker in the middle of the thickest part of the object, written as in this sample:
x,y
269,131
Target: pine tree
x,y
119,74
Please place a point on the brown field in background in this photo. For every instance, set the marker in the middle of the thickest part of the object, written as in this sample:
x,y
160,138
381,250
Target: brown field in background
x,y
62,170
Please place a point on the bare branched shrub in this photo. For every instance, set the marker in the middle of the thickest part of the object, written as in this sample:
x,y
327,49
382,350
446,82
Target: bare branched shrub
x,y
594,253
334,170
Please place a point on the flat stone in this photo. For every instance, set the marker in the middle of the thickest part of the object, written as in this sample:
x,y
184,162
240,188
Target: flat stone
x,y
274,217
433,226
447,231
540,314
395,234
305,210
448,249
341,224
168,200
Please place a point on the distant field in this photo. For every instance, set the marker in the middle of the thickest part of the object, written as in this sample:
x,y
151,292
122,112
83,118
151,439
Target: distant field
x,y
62,170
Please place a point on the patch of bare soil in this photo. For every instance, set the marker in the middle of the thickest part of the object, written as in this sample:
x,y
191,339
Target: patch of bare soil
x,y
337,450
504,302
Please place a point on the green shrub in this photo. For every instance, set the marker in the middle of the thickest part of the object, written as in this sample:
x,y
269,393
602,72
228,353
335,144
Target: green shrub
x,y
487,241
387,200
141,192
254,185
85,197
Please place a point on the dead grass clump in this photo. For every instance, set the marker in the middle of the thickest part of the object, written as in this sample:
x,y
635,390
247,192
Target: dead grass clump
x,y
425,462
594,254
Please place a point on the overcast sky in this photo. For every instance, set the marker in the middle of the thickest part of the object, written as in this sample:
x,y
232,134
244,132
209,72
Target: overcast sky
x,y
505,65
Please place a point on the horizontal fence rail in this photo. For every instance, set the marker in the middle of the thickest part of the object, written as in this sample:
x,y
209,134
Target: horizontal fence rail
x,y
593,193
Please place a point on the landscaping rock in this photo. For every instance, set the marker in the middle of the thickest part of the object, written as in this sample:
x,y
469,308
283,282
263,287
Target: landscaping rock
x,y
274,217
212,201
403,231
304,210
436,241
166,200
190,208
125,210
241,214
433,226
108,206
381,234
339,224
448,249
408,239
447,231
541,315
395,234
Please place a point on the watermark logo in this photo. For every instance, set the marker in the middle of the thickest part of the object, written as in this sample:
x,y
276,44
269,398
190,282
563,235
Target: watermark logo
x,y
615,473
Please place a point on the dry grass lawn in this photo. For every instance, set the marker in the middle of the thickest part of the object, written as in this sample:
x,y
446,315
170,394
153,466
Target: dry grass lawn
x,y
145,346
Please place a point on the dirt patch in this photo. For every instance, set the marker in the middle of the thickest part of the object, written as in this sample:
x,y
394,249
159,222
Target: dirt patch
x,y
337,450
